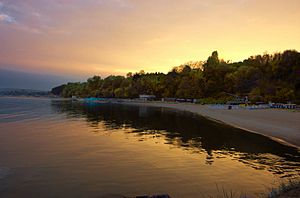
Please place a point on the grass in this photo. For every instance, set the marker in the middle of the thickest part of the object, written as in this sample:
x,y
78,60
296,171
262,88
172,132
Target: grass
x,y
283,189
287,189
222,193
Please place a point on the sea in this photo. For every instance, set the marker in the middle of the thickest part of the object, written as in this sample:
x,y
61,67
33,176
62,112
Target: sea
x,y
63,148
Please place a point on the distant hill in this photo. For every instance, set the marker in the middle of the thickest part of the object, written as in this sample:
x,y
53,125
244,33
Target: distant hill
x,y
22,92
24,80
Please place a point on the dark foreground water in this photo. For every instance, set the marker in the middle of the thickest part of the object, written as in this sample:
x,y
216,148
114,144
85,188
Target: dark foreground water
x,y
64,149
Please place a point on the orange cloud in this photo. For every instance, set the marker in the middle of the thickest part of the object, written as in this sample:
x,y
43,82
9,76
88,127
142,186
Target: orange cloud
x,y
115,36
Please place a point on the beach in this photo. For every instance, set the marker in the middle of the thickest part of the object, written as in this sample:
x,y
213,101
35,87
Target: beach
x,y
279,124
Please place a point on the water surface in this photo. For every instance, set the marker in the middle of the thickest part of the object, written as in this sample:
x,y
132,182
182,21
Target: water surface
x,y
54,148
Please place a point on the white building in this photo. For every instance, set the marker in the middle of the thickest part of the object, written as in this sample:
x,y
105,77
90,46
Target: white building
x,y
147,97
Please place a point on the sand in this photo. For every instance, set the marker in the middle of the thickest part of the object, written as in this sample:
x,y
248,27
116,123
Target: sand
x,y
279,124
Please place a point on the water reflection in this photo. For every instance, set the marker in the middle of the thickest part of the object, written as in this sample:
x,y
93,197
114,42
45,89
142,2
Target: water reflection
x,y
191,132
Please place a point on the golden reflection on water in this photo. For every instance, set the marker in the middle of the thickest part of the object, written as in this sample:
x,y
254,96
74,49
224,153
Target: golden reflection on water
x,y
72,157
120,161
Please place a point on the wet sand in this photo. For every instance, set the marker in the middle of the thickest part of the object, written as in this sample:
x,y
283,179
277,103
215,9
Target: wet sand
x,y
278,124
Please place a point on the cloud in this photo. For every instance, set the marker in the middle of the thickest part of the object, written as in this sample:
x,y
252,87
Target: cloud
x,y
6,18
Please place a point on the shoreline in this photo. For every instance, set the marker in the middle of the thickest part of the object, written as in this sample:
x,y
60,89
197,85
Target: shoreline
x,y
279,125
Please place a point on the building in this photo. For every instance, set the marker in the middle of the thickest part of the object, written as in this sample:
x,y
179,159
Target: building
x,y
147,97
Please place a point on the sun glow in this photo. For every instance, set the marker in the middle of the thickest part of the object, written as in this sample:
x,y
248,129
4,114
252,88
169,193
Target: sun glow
x,y
116,37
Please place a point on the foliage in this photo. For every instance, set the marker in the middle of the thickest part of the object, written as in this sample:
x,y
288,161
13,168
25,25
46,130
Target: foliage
x,y
268,77
288,189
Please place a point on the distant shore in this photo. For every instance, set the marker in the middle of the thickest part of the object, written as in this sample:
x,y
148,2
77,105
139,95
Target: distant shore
x,y
278,124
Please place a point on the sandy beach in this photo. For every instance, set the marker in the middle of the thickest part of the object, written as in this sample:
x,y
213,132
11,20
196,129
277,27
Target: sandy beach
x,y
278,124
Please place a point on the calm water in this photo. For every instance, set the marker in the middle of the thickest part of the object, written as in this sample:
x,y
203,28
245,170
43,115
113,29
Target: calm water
x,y
64,149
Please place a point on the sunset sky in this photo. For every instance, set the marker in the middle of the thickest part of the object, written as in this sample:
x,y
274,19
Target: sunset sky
x,y
86,37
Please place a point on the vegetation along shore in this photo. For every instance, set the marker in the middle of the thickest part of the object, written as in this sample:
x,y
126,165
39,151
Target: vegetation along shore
x,y
259,79
263,78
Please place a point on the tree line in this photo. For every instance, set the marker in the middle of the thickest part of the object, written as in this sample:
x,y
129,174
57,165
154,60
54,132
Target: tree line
x,y
268,77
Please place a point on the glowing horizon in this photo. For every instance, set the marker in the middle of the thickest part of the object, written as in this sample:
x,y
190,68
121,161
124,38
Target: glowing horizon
x,y
101,37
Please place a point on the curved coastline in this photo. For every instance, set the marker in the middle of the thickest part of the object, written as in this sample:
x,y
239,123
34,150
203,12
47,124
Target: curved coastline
x,y
280,125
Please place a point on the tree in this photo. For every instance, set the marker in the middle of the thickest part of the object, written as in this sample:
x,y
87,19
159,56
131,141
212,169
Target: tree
x,y
264,77
58,90
213,60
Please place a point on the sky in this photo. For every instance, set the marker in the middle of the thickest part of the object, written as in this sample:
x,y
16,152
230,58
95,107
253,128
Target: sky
x,y
26,80
82,38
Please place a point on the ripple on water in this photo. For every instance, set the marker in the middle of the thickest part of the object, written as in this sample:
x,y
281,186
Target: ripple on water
x,y
4,172
49,145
